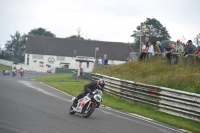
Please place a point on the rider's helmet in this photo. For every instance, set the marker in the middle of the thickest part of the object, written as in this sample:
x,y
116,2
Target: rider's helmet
x,y
101,83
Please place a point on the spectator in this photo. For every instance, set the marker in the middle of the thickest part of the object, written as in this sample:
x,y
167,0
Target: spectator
x,y
168,53
198,51
173,58
191,48
186,47
100,61
142,55
179,47
197,54
156,48
146,41
160,47
143,46
128,59
105,61
150,48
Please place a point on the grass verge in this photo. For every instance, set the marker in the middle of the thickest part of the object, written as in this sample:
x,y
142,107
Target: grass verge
x,y
74,87
182,76
5,67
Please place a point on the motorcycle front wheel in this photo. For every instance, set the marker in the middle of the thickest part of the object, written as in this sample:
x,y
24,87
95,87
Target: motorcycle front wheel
x,y
71,111
89,111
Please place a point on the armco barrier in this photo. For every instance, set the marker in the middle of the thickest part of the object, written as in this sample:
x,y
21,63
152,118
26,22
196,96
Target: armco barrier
x,y
180,103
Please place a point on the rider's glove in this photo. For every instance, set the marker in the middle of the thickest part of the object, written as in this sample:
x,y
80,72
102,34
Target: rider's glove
x,y
90,93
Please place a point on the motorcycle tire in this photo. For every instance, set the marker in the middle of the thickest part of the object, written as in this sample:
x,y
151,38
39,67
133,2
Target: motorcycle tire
x,y
89,111
71,111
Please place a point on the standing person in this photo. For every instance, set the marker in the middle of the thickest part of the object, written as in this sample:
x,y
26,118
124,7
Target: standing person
x,y
191,49
174,56
128,59
150,48
146,41
143,54
143,47
156,48
99,61
179,47
160,47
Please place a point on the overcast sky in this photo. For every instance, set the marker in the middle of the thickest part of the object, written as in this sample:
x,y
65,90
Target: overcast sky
x,y
105,20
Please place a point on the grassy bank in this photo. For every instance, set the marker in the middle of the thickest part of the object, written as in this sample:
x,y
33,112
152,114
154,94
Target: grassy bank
x,y
5,67
183,76
74,87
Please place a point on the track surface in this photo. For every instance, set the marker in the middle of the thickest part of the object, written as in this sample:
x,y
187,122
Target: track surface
x,y
31,107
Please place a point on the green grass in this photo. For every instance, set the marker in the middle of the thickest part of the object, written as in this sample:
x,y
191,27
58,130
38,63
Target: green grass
x,y
183,76
5,67
74,87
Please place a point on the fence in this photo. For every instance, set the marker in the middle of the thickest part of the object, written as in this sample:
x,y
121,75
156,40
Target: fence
x,y
5,62
180,103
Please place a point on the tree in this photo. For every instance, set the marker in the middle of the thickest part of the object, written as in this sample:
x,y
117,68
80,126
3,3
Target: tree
x,y
197,40
154,31
15,48
41,32
77,36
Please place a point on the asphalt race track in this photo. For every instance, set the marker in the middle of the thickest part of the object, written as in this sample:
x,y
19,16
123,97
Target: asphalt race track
x,y
32,107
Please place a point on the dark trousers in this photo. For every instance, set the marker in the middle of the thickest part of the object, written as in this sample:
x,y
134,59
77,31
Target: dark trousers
x,y
83,93
142,56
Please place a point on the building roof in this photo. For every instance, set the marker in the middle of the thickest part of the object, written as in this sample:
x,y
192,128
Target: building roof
x,y
73,47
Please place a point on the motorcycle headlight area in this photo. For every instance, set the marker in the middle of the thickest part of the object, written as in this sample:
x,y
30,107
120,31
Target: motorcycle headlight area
x,y
97,98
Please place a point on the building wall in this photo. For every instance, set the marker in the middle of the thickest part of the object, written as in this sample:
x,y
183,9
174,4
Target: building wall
x,y
40,63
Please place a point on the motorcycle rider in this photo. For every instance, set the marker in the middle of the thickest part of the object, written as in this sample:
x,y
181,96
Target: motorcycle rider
x,y
89,88
14,70
21,70
4,72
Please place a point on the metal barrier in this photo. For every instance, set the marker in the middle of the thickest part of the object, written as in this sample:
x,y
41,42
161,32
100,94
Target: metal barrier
x,y
180,103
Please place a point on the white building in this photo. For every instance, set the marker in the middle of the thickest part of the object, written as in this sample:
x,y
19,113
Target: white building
x,y
44,53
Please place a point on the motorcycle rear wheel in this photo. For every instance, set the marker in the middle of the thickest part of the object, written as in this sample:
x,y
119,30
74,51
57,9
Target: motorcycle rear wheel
x,y
71,111
89,111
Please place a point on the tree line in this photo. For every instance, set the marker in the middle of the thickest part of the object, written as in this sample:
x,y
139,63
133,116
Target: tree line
x,y
15,47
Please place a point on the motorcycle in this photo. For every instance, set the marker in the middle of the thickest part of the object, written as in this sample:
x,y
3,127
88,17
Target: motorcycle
x,y
6,72
14,74
87,104
21,73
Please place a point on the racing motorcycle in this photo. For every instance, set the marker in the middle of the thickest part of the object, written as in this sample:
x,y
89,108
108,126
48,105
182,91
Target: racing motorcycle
x,y
21,73
14,73
87,104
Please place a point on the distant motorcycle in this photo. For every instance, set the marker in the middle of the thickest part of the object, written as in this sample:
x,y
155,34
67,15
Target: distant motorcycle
x,y
87,104
6,72
22,73
14,73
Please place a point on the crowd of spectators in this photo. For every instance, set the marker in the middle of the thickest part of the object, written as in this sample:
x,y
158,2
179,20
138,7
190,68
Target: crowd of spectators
x,y
101,62
188,50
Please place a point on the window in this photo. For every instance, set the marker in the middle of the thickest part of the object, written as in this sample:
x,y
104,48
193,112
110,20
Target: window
x,y
34,56
60,58
40,57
